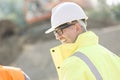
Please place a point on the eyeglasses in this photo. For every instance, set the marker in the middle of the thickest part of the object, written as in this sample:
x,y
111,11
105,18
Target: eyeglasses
x,y
59,29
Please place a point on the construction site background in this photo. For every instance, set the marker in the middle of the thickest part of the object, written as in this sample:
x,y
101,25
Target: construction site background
x,y
24,44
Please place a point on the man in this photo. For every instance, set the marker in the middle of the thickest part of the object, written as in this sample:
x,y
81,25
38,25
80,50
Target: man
x,y
12,73
80,57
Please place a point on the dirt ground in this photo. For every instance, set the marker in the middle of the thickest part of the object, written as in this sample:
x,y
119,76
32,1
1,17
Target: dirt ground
x,y
36,60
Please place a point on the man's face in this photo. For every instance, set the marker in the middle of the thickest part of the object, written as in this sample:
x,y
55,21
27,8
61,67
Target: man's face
x,y
66,34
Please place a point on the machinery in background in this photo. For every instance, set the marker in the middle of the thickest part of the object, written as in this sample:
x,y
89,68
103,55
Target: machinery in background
x,y
39,10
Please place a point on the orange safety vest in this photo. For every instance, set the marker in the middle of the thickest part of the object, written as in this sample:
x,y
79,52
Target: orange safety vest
x,y
11,73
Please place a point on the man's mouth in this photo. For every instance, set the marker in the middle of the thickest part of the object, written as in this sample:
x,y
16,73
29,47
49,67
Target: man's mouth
x,y
63,40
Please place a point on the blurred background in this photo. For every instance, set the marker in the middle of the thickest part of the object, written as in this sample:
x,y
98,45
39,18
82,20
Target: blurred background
x,y
23,23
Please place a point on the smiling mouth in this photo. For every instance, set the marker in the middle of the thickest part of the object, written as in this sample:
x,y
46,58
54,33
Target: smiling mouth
x,y
63,40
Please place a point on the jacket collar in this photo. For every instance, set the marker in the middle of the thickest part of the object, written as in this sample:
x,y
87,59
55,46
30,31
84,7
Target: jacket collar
x,y
63,51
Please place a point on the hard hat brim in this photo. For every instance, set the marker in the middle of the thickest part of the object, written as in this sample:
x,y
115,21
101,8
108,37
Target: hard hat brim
x,y
49,30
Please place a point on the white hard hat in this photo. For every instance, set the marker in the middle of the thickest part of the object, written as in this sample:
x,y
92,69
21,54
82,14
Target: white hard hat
x,y
65,12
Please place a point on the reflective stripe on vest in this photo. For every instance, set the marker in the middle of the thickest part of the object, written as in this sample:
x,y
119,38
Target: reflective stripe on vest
x,y
90,65
26,76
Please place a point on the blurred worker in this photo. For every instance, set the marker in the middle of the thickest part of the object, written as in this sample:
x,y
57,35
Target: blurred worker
x,y
80,57
12,73
7,29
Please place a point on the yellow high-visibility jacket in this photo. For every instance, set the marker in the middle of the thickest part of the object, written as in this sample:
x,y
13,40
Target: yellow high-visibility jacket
x,y
73,68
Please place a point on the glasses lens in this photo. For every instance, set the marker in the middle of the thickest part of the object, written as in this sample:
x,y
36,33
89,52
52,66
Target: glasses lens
x,y
58,32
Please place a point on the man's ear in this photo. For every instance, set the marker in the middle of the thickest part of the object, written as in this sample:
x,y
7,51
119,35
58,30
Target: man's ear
x,y
78,28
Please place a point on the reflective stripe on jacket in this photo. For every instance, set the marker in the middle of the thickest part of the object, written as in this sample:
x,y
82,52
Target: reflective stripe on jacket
x,y
11,73
73,68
